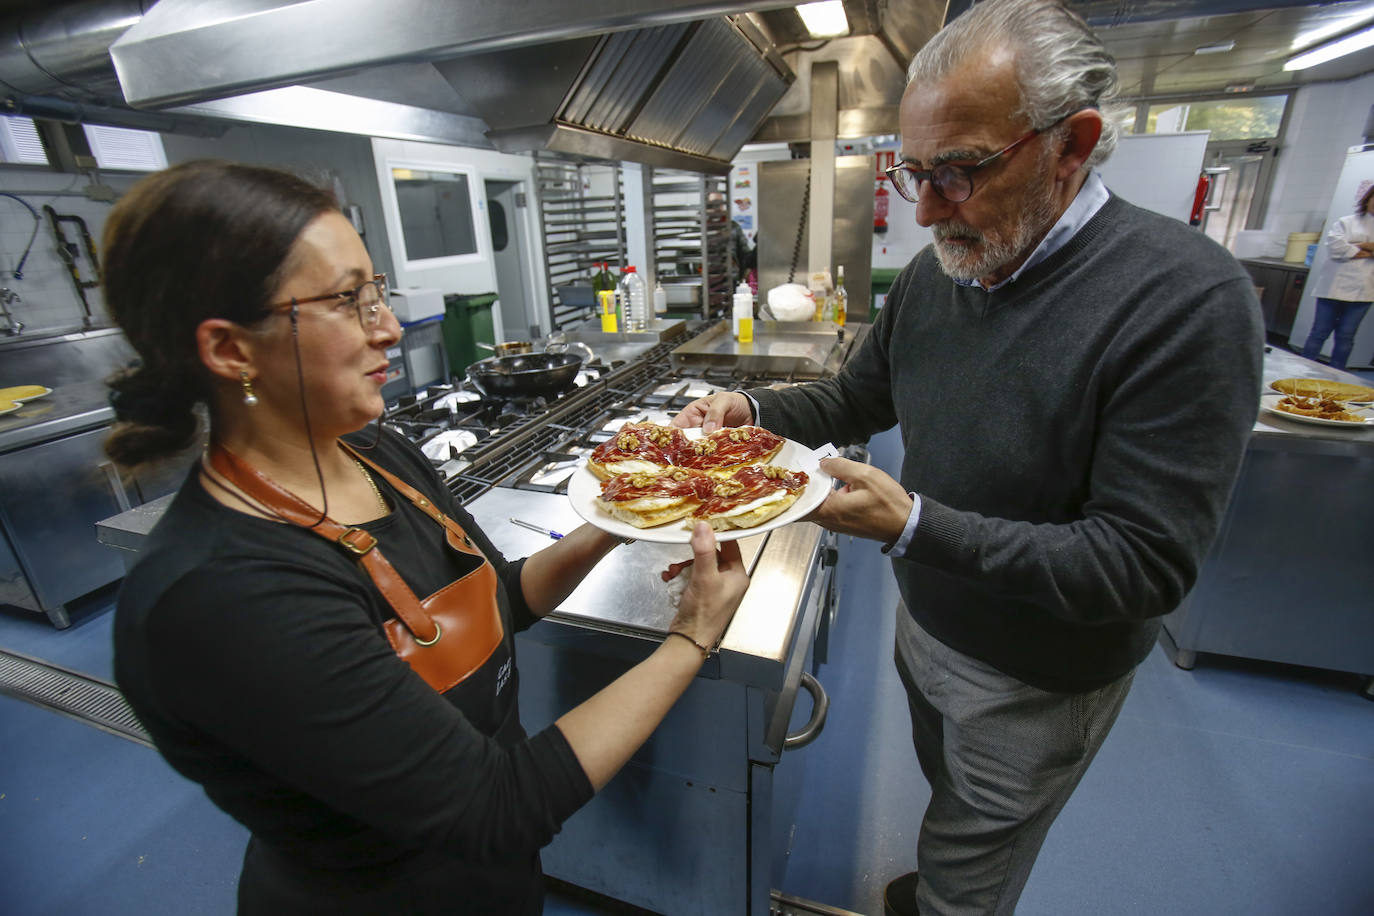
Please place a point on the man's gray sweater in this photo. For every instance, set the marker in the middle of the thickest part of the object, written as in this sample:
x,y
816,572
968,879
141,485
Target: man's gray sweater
x,y
1073,437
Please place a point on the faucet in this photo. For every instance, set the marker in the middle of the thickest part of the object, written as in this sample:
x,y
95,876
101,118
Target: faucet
x,y
12,325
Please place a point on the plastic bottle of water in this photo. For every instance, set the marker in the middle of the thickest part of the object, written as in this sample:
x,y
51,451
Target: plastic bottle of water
x,y
636,298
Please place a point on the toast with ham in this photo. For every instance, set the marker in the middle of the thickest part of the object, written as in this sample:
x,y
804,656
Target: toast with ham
x,y
647,499
750,496
730,448
638,448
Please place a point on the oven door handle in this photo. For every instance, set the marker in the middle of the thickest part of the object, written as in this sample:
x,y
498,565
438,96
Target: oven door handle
x,y
820,706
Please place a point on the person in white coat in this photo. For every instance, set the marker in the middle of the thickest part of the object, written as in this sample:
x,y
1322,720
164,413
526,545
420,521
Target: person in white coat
x,y
1345,291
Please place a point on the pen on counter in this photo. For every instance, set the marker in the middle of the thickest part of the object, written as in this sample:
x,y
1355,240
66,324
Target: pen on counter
x,y
533,527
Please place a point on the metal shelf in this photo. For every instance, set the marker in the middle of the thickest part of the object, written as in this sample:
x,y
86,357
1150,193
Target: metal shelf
x,y
690,234
580,228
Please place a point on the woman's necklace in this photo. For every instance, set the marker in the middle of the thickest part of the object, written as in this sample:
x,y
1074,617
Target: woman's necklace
x,y
381,501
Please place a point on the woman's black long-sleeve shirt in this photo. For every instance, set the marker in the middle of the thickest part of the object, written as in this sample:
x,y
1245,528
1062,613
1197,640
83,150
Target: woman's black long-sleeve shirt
x,y
254,654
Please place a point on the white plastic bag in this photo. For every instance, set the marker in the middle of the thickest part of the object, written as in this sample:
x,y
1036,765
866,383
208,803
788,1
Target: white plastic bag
x,y
791,302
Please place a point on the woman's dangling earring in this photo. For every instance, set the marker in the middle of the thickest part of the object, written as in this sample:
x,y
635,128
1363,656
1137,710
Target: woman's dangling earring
x,y
249,398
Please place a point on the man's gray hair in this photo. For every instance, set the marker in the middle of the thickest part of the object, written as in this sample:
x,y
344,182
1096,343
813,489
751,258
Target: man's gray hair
x,y
1061,66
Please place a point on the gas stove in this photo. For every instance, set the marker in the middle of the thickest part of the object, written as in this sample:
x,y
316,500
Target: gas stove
x,y
478,442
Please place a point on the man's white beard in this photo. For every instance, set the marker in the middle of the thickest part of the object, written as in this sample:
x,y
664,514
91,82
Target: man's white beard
x,y
990,253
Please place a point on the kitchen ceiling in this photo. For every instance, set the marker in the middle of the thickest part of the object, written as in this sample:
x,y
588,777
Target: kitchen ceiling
x,y
1154,42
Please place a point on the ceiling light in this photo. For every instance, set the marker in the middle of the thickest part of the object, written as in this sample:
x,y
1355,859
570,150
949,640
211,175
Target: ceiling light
x,y
825,19
1220,47
1339,48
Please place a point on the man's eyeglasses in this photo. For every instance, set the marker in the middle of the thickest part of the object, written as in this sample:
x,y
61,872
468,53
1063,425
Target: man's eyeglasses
x,y
952,182
368,298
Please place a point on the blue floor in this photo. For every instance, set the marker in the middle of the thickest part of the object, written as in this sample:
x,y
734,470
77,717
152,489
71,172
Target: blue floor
x,y
1234,788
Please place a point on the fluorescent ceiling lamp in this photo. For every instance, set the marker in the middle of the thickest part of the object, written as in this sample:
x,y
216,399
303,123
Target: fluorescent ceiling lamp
x,y
825,19
1347,45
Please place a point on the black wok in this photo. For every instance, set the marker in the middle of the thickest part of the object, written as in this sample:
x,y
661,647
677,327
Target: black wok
x,y
525,375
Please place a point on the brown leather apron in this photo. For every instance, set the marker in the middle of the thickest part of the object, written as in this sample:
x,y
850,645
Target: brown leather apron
x,y
445,637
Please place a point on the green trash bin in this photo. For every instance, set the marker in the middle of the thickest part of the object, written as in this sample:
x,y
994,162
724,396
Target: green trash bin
x,y
467,319
882,280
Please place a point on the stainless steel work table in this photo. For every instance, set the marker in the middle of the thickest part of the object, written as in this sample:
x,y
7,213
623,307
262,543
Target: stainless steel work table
x,y
1290,577
685,827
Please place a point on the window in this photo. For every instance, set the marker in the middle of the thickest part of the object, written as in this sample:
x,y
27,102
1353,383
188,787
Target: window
x,y
436,213
1227,119
123,148
19,141
1243,134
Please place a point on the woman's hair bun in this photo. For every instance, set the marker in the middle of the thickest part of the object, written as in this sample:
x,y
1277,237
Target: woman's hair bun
x,y
153,419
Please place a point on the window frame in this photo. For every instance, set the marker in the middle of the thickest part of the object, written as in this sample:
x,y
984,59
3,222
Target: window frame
x,y
1259,201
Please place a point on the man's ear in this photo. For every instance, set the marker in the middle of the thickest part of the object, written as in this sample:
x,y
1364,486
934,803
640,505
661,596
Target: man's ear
x,y
225,348
1084,129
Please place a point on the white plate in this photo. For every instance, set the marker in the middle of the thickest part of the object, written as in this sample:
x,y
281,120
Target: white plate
x,y
33,397
585,487
1270,402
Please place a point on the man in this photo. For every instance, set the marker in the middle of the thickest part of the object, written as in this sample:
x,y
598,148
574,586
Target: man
x,y
1075,380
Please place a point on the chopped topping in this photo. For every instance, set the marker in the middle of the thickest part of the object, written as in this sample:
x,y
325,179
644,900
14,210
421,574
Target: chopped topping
x,y
627,442
704,446
740,434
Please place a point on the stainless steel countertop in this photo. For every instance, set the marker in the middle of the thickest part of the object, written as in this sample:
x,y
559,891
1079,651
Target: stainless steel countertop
x,y
624,593
1273,430
656,331
129,529
68,409
808,349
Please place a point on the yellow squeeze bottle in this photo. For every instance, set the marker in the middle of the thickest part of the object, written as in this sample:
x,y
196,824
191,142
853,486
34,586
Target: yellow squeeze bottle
x,y
746,329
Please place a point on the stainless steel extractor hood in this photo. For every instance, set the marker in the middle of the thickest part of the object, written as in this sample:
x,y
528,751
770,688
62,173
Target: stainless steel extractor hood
x,y
670,82
687,95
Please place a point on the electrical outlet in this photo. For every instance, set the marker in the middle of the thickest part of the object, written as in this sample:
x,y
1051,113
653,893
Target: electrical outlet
x,y
101,192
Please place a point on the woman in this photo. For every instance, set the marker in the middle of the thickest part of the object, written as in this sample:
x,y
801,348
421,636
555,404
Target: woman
x,y
1344,293
262,656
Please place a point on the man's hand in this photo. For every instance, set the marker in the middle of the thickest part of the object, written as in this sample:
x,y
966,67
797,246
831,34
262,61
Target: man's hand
x,y
728,408
869,505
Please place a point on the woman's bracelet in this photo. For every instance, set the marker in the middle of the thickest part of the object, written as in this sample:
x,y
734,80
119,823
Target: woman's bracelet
x,y
705,652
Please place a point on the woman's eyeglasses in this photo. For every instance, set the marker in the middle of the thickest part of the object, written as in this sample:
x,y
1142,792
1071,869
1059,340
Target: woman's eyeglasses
x,y
952,182
368,298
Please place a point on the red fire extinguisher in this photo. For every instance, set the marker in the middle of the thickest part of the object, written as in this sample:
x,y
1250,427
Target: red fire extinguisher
x,y
1204,183
881,195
